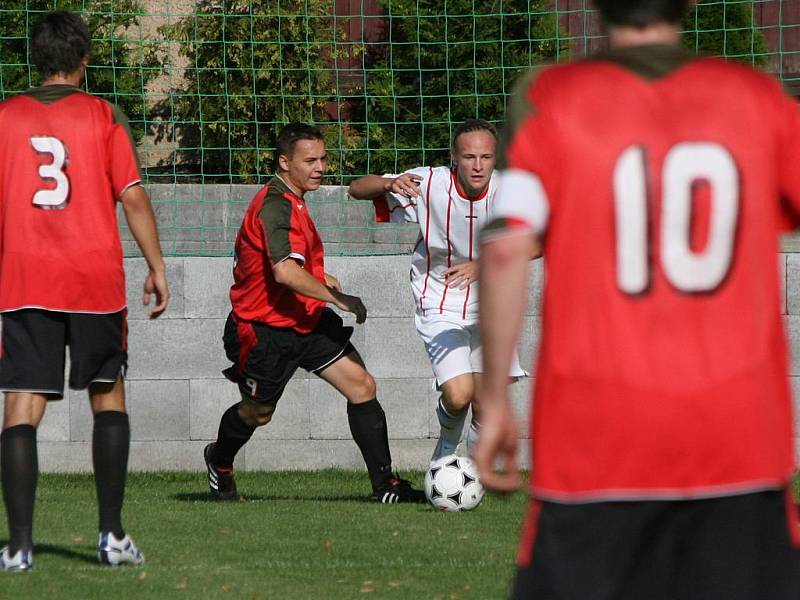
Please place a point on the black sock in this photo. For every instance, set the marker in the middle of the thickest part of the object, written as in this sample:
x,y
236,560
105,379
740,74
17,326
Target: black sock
x,y
20,468
232,435
368,427
111,442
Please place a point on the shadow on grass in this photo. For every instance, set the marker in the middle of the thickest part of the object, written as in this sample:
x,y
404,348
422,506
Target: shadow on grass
x,y
205,497
88,557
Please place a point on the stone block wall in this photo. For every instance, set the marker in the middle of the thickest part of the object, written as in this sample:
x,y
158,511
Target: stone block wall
x,y
176,392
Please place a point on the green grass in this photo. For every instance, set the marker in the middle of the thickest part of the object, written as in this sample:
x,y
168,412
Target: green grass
x,y
296,535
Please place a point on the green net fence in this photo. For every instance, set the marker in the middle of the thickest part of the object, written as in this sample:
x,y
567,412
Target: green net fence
x,y
207,84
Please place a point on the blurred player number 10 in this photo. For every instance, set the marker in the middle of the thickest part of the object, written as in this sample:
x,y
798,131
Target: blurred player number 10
x,y
684,164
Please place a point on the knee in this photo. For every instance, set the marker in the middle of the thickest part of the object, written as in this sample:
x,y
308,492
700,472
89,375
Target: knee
x,y
23,408
254,415
364,390
457,401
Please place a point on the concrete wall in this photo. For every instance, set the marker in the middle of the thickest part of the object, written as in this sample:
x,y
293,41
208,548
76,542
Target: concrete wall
x,y
176,393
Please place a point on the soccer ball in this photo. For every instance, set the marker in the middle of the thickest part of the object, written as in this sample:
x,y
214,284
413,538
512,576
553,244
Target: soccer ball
x,y
451,484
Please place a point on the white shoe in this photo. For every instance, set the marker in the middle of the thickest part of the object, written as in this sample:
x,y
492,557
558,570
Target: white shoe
x,y
114,552
21,561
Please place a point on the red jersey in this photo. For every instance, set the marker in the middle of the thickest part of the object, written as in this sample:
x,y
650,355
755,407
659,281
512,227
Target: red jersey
x,y
658,182
276,227
65,158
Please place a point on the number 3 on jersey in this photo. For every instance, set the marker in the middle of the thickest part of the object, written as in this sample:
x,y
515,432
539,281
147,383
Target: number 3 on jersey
x,y
54,171
684,165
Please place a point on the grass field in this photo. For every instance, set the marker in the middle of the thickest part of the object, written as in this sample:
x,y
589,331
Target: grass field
x,y
296,535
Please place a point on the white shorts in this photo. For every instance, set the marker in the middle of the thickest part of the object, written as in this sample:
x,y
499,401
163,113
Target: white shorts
x,y
454,347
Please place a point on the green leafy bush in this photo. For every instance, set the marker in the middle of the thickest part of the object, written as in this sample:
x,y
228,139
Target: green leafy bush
x,y
256,65
441,69
725,30
385,105
253,66
119,69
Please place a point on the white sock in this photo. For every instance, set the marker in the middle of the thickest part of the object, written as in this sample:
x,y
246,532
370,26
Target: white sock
x,y
472,437
450,433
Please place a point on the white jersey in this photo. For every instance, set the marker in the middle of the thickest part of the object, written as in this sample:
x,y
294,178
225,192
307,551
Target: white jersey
x,y
449,225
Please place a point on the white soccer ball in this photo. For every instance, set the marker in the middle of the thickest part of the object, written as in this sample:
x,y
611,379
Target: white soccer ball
x,y
452,484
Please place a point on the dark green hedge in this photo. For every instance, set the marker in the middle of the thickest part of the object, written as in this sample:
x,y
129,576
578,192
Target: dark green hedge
x,y
119,69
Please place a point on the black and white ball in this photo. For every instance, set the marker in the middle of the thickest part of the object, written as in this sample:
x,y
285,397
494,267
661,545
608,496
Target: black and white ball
x,y
451,484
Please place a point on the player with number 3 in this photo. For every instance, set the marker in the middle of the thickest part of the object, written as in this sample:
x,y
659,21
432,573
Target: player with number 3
x,y
66,159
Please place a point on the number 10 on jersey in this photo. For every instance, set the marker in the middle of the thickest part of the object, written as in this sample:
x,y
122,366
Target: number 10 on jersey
x,y
684,164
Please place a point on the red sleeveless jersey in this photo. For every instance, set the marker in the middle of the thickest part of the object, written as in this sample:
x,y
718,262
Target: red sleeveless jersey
x,y
276,227
65,158
661,195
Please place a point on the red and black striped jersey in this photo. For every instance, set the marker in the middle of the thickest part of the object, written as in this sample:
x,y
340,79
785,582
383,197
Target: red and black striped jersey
x,y
276,227
661,183
65,158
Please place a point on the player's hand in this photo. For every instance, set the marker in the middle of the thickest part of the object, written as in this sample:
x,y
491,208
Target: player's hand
x,y
406,185
156,283
462,275
332,282
352,304
498,440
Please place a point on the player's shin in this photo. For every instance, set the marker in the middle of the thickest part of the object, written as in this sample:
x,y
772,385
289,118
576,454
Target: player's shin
x,y
232,435
451,427
472,437
20,470
368,427
111,440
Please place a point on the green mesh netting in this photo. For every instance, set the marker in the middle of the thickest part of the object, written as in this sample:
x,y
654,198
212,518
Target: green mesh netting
x,y
207,84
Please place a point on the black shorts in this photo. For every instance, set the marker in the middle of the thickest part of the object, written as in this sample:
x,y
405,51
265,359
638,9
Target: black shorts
x,y
265,358
33,356
735,548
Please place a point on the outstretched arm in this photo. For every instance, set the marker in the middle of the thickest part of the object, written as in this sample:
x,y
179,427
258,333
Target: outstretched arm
x,y
142,223
370,186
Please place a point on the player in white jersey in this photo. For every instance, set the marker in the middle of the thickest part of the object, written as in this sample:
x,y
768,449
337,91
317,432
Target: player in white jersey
x,y
451,206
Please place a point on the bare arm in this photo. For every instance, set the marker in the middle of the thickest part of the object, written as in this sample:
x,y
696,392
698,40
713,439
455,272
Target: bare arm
x,y
142,223
370,186
503,292
464,274
300,281
538,249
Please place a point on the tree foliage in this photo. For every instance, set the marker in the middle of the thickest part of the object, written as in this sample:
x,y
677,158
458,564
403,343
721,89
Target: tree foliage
x,y
446,62
385,105
119,69
726,30
254,65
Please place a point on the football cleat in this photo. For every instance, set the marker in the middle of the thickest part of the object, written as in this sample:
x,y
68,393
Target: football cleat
x,y
395,490
21,561
221,483
114,552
